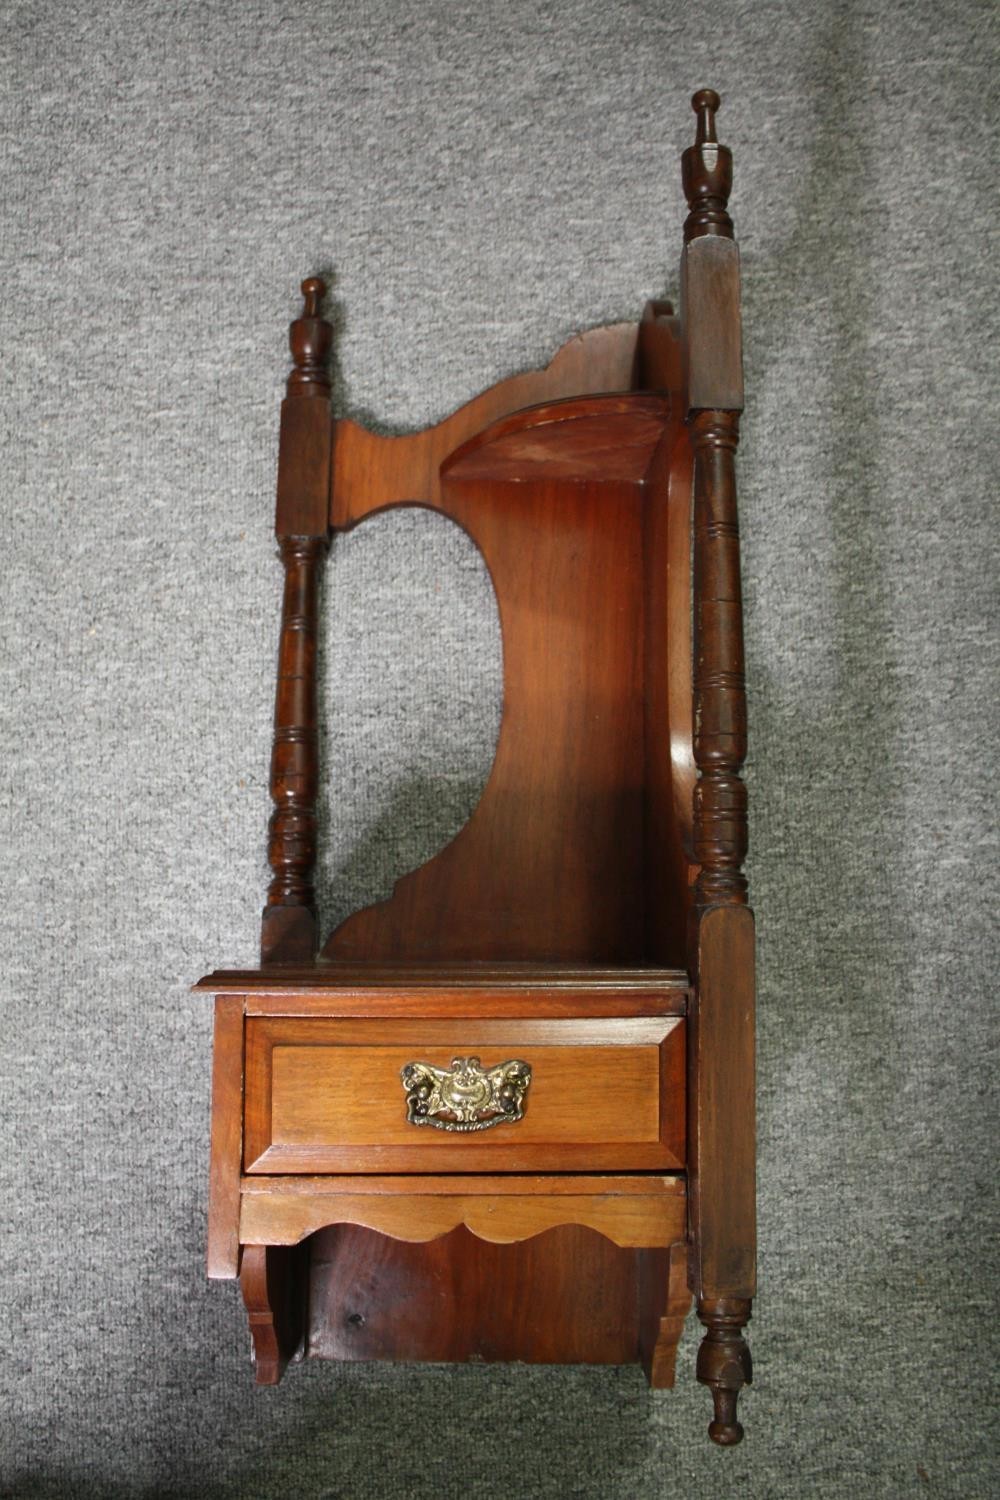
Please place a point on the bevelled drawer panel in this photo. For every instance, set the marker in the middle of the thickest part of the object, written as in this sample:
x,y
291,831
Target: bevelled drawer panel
x,y
502,1095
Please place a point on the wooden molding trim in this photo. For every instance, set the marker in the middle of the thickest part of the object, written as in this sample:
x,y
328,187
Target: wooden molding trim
x,y
324,1095
630,1220
227,1139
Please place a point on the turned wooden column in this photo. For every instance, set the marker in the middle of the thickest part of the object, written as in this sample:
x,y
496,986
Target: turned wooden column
x,y
721,1029
720,712
288,927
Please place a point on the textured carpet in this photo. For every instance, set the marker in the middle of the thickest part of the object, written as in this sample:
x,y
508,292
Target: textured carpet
x,y
483,180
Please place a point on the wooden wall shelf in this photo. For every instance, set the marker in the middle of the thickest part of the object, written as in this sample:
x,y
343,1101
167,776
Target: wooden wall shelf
x,y
508,1112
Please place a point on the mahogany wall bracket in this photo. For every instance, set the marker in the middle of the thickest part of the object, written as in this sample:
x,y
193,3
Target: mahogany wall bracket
x,y
508,1113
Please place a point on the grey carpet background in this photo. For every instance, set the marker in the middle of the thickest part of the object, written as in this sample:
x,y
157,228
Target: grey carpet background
x,y
484,180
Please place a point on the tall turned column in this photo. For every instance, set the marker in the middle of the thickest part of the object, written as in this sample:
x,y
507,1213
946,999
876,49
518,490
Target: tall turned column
x,y
721,1033
288,927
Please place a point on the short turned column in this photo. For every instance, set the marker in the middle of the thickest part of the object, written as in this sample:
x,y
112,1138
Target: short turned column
x,y
720,715
291,847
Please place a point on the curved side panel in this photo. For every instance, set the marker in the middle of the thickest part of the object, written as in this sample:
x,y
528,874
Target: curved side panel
x,y
670,768
435,638
669,535
684,772
550,865
370,472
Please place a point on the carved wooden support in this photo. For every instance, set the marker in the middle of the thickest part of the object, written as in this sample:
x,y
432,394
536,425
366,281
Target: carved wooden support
x,y
710,277
273,1287
288,929
720,728
666,1302
295,757
724,1363
721,1176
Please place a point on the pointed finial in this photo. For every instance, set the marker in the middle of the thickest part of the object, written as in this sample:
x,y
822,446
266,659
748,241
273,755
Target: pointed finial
x,y
707,173
704,103
310,337
313,290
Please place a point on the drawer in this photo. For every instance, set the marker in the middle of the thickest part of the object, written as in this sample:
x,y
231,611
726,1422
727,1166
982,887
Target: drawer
x,y
328,1095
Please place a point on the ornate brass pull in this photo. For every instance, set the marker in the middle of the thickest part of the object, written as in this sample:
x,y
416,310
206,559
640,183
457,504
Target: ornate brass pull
x,y
465,1096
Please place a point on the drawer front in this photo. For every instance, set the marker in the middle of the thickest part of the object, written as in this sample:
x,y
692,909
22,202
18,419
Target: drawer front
x,y
328,1096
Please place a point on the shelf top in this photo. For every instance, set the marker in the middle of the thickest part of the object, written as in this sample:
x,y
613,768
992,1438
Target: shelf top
x,y
333,977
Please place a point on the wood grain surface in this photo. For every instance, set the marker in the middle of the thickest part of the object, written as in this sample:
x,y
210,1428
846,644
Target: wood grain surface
x,y
327,1095
590,920
565,1296
654,1217
549,865
227,1139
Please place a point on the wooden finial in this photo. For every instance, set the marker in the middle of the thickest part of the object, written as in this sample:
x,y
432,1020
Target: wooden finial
x,y
310,338
704,103
707,173
313,291
724,1363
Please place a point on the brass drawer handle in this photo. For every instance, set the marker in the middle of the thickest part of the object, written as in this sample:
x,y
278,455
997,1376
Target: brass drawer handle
x,y
465,1096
